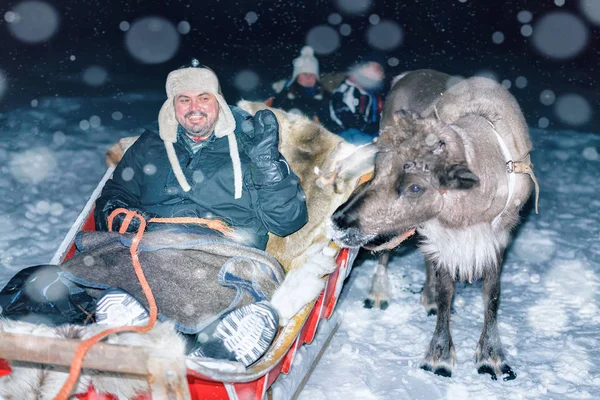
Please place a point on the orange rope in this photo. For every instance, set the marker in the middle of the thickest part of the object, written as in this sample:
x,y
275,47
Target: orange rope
x,y
214,224
81,351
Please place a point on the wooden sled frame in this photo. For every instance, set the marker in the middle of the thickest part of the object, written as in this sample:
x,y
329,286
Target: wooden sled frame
x,y
168,377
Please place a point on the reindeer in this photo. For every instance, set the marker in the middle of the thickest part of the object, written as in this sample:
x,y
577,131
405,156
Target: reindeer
x,y
454,172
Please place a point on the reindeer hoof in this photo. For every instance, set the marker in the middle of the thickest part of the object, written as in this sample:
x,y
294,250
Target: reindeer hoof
x,y
504,370
440,370
507,373
376,302
443,371
432,311
486,369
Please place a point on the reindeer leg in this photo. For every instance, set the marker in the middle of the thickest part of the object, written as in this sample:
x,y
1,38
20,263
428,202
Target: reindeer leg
x,y
440,356
489,355
379,295
429,294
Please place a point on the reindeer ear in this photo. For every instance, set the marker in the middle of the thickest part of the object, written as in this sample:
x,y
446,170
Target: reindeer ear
x,y
403,115
458,176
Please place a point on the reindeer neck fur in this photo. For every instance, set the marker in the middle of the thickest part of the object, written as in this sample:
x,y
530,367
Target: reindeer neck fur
x,y
464,252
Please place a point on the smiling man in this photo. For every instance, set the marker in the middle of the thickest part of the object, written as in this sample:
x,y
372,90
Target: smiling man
x,y
207,160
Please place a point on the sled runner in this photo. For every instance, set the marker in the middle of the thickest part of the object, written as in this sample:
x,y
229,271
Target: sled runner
x,y
280,373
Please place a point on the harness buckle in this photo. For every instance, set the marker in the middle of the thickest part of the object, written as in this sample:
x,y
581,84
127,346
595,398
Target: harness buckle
x,y
510,166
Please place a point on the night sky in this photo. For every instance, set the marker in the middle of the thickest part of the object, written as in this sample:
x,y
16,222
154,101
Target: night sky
x,y
263,36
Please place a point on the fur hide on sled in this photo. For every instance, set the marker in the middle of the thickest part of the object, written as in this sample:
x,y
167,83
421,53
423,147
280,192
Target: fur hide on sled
x,y
41,382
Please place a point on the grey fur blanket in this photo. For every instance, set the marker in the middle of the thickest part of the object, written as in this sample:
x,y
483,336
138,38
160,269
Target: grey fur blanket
x,y
194,278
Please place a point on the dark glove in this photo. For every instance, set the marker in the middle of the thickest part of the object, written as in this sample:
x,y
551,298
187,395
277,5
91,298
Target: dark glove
x,y
261,145
134,225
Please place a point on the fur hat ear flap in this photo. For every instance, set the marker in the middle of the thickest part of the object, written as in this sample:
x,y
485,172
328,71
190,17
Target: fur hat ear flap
x,y
167,129
167,124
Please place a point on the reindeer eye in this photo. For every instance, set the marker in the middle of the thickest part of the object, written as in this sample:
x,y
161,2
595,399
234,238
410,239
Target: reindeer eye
x,y
441,144
415,188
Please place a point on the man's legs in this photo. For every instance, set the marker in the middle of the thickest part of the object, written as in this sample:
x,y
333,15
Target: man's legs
x,y
243,334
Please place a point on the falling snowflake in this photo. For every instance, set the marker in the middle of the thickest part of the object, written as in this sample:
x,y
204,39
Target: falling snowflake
x,y
386,35
573,109
591,9
345,30
33,21
251,17
547,97
33,166
560,35
498,37
334,19
323,39
524,16
184,27
354,7
152,40
246,80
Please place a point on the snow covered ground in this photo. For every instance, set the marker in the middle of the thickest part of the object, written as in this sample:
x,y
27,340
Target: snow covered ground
x,y
52,156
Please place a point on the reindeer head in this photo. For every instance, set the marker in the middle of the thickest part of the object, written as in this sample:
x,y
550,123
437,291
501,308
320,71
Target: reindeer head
x,y
418,160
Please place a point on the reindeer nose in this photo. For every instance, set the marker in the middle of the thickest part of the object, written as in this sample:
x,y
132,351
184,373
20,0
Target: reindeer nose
x,y
345,220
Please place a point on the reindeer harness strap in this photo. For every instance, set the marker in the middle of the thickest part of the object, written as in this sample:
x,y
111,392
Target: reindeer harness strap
x,y
514,167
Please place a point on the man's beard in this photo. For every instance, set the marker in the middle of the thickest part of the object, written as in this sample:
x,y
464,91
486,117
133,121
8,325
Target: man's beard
x,y
199,130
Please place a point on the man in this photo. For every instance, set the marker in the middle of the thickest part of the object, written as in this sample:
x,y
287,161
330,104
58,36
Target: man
x,y
193,168
356,105
303,93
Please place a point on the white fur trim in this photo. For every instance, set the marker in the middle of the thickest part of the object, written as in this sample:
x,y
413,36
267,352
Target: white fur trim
x,y
167,123
304,284
176,167
237,166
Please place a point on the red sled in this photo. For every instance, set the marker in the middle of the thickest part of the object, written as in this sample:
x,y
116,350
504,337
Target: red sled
x,y
280,374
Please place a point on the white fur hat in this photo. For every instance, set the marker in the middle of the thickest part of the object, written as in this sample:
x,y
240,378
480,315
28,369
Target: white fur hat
x,y
306,63
197,79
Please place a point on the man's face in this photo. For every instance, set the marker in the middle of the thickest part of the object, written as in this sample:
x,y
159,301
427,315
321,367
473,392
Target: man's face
x,y
197,112
307,80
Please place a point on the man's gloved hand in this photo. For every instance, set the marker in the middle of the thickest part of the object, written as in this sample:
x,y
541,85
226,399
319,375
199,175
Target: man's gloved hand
x,y
134,225
261,136
260,142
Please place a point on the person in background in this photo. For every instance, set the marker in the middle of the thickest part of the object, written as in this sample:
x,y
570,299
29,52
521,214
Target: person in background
x,y
303,93
355,106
